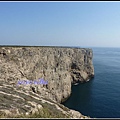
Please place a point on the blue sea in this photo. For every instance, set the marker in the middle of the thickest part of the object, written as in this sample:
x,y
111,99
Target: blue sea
x,y
100,97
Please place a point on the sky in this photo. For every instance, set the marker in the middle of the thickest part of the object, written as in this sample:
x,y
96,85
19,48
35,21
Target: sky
x,y
90,24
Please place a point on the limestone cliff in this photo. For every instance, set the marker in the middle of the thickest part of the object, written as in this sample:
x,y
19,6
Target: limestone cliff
x,y
60,66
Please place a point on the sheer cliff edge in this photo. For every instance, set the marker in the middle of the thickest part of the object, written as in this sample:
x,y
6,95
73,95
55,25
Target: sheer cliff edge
x,y
59,66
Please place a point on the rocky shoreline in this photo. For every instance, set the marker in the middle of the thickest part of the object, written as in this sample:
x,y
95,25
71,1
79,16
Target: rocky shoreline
x,y
61,66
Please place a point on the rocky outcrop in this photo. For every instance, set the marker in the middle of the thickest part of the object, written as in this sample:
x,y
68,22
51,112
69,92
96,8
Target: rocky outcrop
x,y
60,66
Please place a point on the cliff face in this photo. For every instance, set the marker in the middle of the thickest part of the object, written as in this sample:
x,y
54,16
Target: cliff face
x,y
59,66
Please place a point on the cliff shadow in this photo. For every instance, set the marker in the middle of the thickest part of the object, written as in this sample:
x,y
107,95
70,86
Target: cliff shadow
x,y
80,97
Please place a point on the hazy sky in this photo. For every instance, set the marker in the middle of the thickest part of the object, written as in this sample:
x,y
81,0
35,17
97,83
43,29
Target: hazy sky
x,y
60,23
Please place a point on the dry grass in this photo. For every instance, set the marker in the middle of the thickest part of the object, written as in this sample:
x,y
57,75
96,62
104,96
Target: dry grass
x,y
48,111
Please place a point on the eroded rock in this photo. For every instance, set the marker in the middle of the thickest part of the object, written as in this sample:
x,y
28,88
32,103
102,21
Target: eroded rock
x,y
59,66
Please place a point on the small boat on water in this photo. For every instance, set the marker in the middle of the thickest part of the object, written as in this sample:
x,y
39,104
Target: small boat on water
x,y
76,83
88,80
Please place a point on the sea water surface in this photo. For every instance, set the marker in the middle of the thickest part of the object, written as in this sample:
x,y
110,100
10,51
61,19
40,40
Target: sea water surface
x,y
100,97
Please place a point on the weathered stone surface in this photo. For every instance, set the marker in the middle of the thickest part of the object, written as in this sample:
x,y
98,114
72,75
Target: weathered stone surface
x,y
58,65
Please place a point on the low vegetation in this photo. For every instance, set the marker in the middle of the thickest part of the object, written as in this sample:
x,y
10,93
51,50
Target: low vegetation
x,y
48,111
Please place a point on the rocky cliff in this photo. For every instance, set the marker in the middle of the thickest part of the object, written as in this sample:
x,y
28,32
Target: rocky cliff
x,y
60,66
